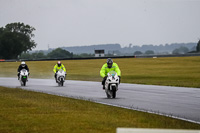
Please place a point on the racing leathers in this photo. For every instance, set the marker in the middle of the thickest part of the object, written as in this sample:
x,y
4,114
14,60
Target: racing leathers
x,y
24,66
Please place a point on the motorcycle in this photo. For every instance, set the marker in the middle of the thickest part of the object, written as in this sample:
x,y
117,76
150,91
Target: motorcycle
x,y
23,78
60,77
111,84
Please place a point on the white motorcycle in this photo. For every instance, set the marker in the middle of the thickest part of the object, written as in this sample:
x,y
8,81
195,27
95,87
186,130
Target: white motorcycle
x,y
111,84
23,77
61,77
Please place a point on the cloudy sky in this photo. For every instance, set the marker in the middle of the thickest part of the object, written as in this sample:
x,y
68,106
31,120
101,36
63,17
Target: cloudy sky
x,y
87,22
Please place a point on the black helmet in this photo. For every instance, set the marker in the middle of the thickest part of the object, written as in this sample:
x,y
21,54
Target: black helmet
x,y
59,63
109,62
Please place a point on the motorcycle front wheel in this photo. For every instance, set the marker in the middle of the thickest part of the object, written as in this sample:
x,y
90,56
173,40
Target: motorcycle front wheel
x,y
113,92
24,83
61,82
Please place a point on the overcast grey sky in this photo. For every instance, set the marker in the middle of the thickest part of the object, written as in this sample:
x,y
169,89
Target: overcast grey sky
x,y
88,22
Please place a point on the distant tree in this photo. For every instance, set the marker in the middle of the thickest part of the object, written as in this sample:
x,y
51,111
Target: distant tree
x,y
36,55
193,49
130,45
137,53
41,55
25,56
1,30
198,46
148,52
175,51
16,38
184,50
181,50
86,55
60,53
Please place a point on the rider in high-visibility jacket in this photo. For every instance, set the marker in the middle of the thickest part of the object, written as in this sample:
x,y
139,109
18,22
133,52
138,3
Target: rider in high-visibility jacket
x,y
106,68
57,67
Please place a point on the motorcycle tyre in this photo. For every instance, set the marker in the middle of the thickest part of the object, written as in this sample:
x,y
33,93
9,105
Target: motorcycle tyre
x,y
108,95
24,83
61,82
113,92
108,92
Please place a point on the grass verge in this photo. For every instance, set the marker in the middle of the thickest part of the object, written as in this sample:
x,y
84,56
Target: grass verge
x,y
169,71
25,111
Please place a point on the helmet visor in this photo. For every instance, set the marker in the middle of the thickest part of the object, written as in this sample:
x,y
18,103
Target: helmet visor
x,y
109,65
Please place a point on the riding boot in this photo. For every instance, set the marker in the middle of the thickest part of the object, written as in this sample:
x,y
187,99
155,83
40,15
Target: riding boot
x,y
18,76
104,87
103,82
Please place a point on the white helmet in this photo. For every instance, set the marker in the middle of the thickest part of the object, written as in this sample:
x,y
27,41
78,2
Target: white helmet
x,y
23,64
59,63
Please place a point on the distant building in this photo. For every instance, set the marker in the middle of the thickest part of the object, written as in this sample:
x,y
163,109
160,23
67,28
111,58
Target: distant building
x,y
99,53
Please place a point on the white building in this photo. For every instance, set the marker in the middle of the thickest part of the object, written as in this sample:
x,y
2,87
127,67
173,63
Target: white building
x,y
99,53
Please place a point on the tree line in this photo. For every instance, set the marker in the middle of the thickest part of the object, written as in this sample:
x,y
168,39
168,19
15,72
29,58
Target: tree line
x,y
180,50
16,42
129,50
55,54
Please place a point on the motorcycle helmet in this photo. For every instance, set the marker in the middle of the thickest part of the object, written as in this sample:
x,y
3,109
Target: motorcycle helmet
x,y
59,63
109,62
23,64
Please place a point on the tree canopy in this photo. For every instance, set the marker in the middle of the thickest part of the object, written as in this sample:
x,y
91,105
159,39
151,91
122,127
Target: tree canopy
x,y
60,53
137,53
148,52
198,46
16,38
181,50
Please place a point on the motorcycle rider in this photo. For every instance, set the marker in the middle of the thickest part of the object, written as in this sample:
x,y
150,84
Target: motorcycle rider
x,y
106,68
57,67
22,66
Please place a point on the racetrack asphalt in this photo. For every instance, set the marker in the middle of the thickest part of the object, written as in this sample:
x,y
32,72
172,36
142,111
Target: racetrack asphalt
x,y
177,102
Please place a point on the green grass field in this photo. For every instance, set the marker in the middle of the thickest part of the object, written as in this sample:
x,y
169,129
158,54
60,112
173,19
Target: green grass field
x,y
24,111
31,112
169,71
